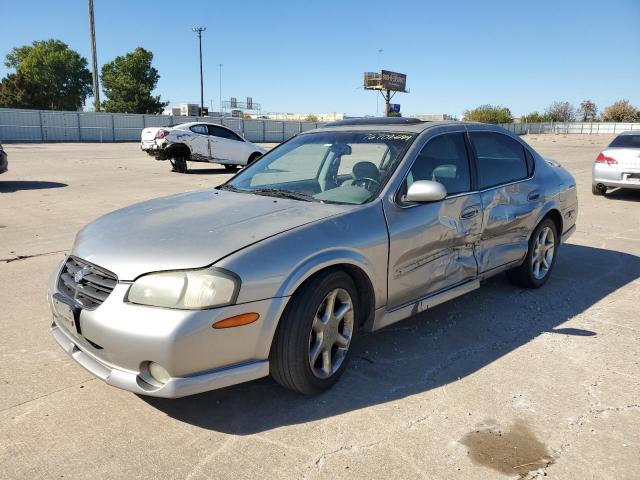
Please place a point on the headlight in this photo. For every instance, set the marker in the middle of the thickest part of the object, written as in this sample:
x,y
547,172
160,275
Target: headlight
x,y
189,289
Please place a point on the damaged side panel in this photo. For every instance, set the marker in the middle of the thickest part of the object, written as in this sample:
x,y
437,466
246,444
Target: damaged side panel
x,y
431,246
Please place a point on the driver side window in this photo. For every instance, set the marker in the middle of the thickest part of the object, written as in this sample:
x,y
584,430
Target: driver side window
x,y
444,159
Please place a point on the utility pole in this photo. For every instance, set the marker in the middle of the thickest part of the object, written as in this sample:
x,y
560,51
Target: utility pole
x,y
199,31
220,91
96,86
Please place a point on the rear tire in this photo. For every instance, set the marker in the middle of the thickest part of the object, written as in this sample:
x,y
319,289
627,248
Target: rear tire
x,y
597,189
312,344
179,163
541,257
253,157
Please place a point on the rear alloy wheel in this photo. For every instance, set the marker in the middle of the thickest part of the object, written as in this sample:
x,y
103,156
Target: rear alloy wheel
x,y
179,163
312,345
540,259
598,189
253,157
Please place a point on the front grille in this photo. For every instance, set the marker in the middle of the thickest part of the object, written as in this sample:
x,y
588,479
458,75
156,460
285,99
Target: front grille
x,y
92,288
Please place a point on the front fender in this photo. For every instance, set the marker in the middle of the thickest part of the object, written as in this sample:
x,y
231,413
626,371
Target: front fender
x,y
321,260
277,266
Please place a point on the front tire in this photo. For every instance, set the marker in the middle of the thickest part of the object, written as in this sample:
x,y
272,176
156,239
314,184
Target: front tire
x,y
179,163
311,348
541,257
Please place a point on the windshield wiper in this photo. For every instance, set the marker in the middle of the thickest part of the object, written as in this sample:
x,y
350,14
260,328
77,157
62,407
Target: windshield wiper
x,y
276,192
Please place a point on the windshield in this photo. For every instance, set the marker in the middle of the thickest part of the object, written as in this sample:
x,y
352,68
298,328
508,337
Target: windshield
x,y
336,167
626,141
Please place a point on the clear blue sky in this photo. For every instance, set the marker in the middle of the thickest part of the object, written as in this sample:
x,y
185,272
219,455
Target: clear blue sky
x,y
303,56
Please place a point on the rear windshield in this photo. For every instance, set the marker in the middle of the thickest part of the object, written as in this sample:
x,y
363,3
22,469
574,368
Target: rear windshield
x,y
626,141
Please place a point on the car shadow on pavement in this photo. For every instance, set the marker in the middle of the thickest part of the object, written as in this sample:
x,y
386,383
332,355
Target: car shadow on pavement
x,y
209,171
17,185
430,350
624,194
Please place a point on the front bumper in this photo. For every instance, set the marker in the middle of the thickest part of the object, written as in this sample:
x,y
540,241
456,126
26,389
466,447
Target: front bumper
x,y
176,387
616,176
118,340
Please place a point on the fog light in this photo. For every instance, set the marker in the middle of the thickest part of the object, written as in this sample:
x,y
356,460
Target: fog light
x,y
158,373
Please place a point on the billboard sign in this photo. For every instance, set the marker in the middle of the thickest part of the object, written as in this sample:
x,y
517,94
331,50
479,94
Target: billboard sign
x,y
393,81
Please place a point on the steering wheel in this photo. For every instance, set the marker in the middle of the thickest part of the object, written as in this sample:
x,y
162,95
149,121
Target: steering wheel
x,y
365,182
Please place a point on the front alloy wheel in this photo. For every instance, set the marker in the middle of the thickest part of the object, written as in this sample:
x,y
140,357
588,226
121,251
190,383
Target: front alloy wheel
x,y
312,344
331,333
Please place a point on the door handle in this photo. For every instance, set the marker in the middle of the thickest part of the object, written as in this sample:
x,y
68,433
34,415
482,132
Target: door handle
x,y
470,212
534,196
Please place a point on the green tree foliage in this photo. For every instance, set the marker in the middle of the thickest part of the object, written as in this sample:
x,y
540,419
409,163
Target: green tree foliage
x,y
311,118
489,114
533,117
128,81
48,75
620,111
561,112
588,112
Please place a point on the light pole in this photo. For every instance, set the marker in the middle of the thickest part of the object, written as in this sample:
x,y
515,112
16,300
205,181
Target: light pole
x,y
379,68
220,91
199,31
96,86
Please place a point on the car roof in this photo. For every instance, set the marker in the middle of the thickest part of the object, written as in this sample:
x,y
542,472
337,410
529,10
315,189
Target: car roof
x,y
188,124
391,124
630,132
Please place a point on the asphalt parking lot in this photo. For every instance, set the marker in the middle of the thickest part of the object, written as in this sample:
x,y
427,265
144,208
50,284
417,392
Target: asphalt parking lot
x,y
501,383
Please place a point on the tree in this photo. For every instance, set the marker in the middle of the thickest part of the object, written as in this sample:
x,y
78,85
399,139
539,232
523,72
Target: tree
x,y
533,117
489,114
560,112
620,111
311,118
48,74
128,81
588,111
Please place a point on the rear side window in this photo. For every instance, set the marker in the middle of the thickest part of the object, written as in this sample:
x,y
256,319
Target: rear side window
x,y
444,159
626,141
223,133
201,129
501,159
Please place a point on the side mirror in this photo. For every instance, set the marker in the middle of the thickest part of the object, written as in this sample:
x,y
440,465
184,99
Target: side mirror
x,y
422,191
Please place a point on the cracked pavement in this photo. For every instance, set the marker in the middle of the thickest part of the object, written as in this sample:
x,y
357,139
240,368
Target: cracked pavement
x,y
551,373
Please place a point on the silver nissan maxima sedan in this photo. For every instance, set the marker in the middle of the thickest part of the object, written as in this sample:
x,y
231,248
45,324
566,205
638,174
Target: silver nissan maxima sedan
x,y
346,228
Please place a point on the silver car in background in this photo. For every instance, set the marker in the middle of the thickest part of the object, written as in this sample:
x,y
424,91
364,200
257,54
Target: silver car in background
x,y
346,228
618,165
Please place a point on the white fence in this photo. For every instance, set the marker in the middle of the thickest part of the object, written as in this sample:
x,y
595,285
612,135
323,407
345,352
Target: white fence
x,y
571,128
57,126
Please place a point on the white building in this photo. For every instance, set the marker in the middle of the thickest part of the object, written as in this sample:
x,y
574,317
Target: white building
x,y
434,117
300,117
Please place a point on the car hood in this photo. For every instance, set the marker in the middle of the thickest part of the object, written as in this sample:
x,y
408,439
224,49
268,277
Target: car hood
x,y
190,230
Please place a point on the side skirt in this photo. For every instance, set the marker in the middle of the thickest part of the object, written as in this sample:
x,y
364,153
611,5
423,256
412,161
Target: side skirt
x,y
385,317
